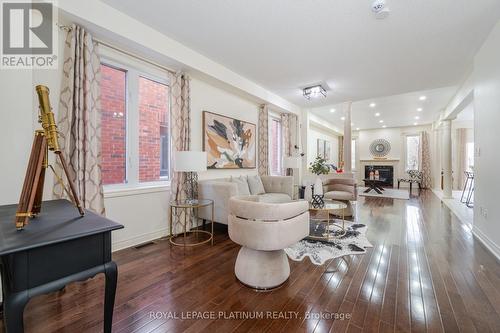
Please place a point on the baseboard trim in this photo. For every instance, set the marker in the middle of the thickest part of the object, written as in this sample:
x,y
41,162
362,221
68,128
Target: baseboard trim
x,y
123,244
490,245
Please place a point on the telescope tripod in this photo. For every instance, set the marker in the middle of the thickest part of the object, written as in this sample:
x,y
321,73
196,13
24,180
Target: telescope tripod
x,y
30,203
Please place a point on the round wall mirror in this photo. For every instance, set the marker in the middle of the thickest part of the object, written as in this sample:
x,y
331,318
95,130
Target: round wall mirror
x,y
380,148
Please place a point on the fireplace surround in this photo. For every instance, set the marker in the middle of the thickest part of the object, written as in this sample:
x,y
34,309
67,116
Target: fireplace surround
x,y
385,171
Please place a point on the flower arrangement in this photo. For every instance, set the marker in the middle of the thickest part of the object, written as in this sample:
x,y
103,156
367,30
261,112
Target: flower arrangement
x,y
319,166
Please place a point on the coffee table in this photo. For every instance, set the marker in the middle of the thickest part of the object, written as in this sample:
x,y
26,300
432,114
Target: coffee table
x,y
374,184
330,208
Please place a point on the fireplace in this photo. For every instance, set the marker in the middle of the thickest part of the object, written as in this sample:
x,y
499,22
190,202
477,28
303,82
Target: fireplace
x,y
385,172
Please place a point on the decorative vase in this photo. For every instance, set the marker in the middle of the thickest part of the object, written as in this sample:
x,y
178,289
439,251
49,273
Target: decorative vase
x,y
318,186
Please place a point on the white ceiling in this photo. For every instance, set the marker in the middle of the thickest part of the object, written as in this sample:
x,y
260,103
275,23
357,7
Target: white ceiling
x,y
395,111
287,44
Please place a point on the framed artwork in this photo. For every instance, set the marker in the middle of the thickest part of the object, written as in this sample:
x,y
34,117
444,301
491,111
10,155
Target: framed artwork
x,y
230,143
320,150
328,150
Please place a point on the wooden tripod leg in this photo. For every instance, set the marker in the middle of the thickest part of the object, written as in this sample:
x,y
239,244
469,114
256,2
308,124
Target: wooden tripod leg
x,y
31,180
37,204
76,199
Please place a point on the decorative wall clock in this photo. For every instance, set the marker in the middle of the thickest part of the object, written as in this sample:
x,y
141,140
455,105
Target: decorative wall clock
x,y
380,148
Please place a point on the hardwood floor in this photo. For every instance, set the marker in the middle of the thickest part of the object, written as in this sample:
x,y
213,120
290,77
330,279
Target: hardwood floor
x,y
425,272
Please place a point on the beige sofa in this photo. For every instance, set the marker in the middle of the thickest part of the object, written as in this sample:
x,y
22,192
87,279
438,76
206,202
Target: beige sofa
x,y
278,189
264,230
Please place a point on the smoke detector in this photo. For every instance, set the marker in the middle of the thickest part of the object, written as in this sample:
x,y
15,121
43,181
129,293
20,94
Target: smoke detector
x,y
379,9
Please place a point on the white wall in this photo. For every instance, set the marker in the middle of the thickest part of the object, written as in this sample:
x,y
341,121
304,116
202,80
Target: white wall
x,y
206,97
312,142
396,137
486,119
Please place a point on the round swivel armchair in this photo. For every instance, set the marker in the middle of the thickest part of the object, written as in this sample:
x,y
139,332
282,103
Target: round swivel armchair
x,y
264,230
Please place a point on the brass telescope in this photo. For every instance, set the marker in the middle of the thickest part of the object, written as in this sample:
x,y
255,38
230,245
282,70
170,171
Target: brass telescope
x,y
47,139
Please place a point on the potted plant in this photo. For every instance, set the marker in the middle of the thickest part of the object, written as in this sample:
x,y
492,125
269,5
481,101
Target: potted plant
x,y
319,167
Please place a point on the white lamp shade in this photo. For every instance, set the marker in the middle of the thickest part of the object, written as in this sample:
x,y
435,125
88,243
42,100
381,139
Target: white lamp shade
x,y
190,161
292,162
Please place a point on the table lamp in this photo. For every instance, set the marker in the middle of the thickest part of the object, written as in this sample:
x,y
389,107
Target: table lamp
x,y
190,162
292,162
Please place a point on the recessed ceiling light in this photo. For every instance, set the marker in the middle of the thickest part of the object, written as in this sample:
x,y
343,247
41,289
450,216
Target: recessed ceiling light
x,y
381,121
422,98
384,126
417,117
372,105
342,118
419,109
332,110
415,124
357,128
377,114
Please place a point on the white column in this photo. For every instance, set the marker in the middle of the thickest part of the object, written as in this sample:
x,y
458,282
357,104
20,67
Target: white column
x,y
446,160
347,138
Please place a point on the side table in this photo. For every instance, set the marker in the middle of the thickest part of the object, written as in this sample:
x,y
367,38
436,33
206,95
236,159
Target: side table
x,y
189,210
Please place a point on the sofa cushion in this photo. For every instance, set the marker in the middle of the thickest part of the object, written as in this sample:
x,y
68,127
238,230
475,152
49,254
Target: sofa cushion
x,y
339,195
242,183
274,198
255,184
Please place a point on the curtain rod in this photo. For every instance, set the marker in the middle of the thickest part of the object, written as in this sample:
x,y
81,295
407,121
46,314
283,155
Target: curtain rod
x,y
116,48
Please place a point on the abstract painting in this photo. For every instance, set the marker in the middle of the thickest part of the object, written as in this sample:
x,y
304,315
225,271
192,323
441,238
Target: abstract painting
x,y
230,143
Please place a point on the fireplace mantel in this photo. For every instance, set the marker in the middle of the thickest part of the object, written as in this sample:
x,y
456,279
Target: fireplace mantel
x,y
380,160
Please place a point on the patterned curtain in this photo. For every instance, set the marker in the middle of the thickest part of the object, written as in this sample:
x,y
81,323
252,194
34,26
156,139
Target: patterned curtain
x,y
425,158
461,158
263,140
341,151
289,132
80,119
181,127
180,117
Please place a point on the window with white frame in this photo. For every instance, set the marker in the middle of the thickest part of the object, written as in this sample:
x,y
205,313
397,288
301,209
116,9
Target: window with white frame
x,y
275,146
135,123
412,152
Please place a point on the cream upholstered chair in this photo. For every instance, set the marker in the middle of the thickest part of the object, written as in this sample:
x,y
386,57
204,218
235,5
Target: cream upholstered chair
x,y
341,189
264,230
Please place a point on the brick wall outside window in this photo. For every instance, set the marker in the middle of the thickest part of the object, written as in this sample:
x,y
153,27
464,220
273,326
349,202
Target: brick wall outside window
x,y
153,114
113,125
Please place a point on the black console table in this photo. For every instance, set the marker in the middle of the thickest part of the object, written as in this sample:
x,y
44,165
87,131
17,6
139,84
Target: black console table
x,y
54,249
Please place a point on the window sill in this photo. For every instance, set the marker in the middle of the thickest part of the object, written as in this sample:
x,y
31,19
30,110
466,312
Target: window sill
x,y
116,192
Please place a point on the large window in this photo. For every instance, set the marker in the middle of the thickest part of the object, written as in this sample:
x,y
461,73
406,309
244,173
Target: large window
x,y
470,156
275,154
412,152
135,124
153,130
113,125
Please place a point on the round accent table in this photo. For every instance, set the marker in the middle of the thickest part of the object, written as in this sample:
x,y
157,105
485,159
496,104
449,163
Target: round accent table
x,y
185,213
330,207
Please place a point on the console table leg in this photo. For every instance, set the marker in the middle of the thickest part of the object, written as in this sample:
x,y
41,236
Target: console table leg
x,y
13,312
111,272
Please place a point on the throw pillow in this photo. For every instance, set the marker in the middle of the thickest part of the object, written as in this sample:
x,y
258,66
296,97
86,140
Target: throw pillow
x,y
255,184
242,184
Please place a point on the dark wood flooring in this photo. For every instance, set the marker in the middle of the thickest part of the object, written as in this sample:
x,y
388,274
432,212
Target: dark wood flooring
x,y
425,272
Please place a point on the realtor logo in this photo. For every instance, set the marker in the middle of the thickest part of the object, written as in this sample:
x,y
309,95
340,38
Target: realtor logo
x,y
28,35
